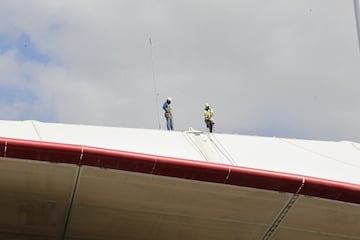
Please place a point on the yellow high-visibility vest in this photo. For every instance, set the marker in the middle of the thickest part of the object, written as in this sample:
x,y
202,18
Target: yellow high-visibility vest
x,y
208,114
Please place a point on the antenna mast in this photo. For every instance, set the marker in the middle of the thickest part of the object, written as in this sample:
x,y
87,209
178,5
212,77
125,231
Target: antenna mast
x,y
154,81
357,19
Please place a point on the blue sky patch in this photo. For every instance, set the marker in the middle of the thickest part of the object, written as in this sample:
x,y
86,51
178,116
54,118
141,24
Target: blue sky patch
x,y
5,44
12,94
26,49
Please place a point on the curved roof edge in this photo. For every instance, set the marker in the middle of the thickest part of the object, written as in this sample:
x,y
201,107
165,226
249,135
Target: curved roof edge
x,y
180,168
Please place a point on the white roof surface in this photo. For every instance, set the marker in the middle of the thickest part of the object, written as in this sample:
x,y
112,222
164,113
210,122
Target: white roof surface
x,y
336,161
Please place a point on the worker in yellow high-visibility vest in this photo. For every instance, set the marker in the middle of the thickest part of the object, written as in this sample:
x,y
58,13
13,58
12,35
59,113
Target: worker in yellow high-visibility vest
x,y
209,117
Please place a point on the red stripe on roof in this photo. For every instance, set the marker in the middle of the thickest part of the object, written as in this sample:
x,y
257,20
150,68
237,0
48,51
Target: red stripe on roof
x,y
120,160
188,169
42,151
256,178
180,168
2,146
323,188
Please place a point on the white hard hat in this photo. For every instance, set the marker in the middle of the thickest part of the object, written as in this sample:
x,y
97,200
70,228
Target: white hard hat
x,y
207,105
169,99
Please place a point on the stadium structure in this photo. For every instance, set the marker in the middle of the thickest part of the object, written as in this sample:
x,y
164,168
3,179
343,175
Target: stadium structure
x,y
75,182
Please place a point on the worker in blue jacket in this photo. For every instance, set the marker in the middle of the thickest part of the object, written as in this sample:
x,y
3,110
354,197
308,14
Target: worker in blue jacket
x,y
168,114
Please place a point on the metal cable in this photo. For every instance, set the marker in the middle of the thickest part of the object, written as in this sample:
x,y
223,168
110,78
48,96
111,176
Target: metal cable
x,y
222,150
320,154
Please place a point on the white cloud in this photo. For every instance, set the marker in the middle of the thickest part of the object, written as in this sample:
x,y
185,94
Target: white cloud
x,y
279,67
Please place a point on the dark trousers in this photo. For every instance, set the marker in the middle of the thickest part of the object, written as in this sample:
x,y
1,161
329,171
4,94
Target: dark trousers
x,y
209,125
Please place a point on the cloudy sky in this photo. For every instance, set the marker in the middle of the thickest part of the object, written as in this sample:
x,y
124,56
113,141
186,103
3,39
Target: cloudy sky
x,y
270,68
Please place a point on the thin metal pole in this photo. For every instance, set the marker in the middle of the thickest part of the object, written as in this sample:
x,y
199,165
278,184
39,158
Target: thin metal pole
x,y
154,81
357,19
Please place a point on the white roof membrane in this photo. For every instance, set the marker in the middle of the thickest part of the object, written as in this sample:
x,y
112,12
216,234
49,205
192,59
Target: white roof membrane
x,y
337,161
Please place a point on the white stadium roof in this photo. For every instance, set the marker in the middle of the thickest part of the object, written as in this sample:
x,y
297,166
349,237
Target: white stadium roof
x,y
63,181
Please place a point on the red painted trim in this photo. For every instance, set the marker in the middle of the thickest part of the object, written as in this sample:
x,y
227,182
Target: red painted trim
x,y
323,188
127,161
194,170
42,151
262,179
2,147
180,168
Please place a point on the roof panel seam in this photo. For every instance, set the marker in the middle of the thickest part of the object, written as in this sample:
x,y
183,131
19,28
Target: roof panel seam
x,y
81,155
302,185
153,168
356,147
36,130
228,175
5,148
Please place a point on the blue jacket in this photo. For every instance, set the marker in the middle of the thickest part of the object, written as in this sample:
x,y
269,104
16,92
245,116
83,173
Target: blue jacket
x,y
166,107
